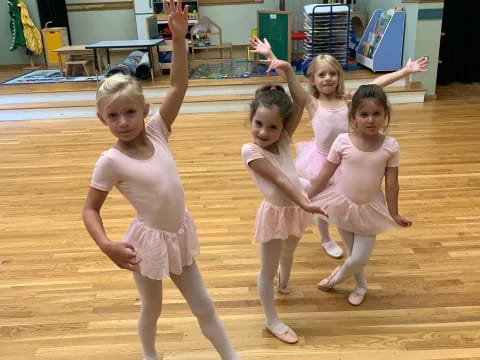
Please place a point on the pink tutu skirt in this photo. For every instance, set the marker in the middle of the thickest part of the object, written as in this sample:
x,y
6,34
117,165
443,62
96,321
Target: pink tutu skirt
x,y
366,219
309,161
280,222
163,252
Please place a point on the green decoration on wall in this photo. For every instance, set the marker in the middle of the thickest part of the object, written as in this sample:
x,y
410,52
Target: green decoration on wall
x,y
16,27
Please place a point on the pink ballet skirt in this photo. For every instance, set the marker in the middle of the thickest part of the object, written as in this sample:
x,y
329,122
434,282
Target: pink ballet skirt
x,y
280,222
163,252
366,219
309,160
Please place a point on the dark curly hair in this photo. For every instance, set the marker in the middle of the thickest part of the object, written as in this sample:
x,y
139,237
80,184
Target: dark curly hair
x,y
269,96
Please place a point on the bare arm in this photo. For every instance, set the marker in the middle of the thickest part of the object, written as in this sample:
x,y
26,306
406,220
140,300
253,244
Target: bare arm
x,y
177,21
270,172
264,48
412,67
296,90
321,181
122,254
391,194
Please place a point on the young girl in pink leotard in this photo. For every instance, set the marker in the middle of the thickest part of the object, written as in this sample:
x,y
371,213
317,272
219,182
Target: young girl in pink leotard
x,y
161,241
327,107
285,211
355,202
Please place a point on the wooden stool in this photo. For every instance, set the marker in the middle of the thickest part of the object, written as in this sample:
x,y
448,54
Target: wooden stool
x,y
71,63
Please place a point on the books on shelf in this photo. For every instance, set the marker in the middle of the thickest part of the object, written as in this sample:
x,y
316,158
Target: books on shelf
x,y
381,45
375,36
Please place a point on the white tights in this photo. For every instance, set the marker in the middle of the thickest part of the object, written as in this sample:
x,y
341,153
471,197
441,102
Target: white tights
x,y
190,284
273,253
360,248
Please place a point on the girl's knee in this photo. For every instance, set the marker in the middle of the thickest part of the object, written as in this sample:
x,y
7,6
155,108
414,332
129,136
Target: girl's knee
x,y
151,311
357,262
203,307
266,276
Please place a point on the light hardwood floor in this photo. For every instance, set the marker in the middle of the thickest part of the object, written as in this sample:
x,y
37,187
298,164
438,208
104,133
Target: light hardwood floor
x,y
61,298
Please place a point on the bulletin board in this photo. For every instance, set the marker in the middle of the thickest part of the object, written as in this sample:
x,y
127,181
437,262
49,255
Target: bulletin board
x,y
277,28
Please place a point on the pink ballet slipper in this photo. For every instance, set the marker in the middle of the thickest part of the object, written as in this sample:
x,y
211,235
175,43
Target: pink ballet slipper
x,y
324,284
287,336
332,249
356,297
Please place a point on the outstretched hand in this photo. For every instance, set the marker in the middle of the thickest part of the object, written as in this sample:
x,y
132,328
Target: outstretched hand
x,y
177,18
123,255
276,64
261,47
400,220
419,65
315,209
306,205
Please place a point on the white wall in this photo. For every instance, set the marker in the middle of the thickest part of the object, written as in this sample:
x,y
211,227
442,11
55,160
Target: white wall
x,y
371,5
237,20
87,27
422,38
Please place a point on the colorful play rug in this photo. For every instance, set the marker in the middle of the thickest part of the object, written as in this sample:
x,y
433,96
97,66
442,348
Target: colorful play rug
x,y
47,76
228,70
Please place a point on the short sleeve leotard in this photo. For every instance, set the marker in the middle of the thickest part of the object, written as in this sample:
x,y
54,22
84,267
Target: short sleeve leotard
x,y
278,217
356,202
163,233
327,124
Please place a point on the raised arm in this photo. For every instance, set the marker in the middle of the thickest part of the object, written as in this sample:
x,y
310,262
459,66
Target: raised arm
x,y
412,67
122,254
178,23
296,90
271,173
320,182
264,48
391,194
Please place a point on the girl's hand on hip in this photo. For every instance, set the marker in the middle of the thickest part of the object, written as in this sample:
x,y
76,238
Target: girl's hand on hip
x,y
123,255
400,220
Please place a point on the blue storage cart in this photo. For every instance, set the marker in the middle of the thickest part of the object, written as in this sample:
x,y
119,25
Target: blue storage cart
x,y
381,46
327,30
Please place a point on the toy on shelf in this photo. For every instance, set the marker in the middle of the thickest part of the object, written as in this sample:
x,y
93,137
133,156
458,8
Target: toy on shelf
x,y
207,35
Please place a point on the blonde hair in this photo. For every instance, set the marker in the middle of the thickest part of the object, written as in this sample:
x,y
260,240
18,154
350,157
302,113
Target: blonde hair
x,y
326,59
120,84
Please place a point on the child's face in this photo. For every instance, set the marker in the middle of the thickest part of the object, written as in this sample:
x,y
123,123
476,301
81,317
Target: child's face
x,y
266,127
124,116
325,79
369,118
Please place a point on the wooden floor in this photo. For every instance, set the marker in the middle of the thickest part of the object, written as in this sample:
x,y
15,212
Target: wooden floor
x,y
60,298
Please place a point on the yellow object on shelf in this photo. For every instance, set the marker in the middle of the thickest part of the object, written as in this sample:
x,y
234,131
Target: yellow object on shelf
x,y
54,38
